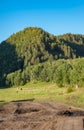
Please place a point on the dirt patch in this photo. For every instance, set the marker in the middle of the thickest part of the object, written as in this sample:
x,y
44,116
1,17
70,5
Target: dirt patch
x,y
23,111
71,113
40,116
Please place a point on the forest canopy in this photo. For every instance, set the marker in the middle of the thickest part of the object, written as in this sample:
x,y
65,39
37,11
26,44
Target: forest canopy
x,y
34,54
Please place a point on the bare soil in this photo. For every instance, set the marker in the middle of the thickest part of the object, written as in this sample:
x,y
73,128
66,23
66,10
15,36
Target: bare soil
x,y
40,116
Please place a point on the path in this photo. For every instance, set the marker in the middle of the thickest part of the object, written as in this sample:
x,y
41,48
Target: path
x,y
40,116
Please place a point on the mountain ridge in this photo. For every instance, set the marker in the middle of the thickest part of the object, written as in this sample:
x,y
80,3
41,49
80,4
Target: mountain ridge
x,y
33,45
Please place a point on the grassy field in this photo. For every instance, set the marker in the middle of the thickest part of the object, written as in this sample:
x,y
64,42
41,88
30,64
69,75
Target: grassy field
x,y
41,91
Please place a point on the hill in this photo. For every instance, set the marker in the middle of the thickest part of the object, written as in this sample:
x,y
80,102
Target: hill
x,y
33,46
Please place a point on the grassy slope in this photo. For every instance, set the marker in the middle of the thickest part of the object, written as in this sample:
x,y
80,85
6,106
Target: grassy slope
x,y
43,92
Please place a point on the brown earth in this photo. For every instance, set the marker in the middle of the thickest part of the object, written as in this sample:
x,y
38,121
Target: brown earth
x,y
40,116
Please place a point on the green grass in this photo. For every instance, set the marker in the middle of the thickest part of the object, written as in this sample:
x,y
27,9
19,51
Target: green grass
x,y
41,91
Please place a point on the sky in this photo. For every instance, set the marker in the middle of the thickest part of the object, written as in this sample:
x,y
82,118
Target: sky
x,y
54,16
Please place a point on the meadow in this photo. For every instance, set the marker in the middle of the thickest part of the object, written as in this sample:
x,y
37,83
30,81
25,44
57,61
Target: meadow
x,y
42,92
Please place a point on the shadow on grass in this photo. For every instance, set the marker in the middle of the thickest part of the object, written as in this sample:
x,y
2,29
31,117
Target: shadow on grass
x,y
2,102
24,100
5,87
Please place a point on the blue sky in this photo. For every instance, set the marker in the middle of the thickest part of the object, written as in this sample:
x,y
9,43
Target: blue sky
x,y
55,16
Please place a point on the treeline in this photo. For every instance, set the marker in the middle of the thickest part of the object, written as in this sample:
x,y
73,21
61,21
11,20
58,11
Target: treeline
x,y
33,46
62,72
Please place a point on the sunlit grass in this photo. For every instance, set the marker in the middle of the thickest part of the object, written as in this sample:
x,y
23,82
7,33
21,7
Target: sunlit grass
x,y
41,91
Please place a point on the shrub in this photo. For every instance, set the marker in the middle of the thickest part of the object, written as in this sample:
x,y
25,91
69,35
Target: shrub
x,y
69,89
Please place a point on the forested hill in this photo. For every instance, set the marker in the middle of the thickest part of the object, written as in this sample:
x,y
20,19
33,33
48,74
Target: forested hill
x,y
33,45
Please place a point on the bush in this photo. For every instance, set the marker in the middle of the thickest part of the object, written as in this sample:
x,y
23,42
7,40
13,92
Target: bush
x,y
69,89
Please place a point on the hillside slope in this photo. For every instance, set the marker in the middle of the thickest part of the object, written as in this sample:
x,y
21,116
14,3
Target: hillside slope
x,y
33,45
